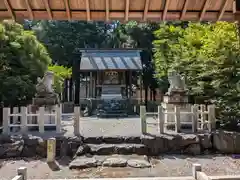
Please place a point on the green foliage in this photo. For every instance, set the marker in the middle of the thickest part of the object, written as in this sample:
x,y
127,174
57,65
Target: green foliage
x,y
208,56
22,60
62,38
60,73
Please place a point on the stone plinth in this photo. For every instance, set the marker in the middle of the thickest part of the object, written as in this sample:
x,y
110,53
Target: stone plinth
x,y
45,101
180,99
175,99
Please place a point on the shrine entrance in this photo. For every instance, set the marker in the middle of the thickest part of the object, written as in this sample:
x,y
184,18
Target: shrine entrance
x,y
109,77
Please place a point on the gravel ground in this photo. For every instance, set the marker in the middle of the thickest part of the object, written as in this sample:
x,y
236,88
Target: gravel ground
x,y
162,166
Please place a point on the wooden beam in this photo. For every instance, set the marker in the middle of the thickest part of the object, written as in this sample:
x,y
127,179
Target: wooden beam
x,y
9,8
88,10
146,10
100,16
223,10
184,10
167,2
127,10
234,7
47,6
68,9
107,10
29,9
204,10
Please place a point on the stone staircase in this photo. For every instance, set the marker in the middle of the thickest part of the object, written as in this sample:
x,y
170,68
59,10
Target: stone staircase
x,y
111,152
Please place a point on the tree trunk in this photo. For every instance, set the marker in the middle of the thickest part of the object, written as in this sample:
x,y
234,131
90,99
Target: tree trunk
x,y
146,94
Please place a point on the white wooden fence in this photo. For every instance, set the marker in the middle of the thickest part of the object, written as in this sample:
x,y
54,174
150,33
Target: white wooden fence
x,y
23,119
201,116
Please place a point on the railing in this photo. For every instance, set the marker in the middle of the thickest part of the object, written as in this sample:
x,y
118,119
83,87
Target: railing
x,y
200,118
40,116
22,118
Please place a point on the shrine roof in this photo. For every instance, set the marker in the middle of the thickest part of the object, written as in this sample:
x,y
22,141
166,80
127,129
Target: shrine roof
x,y
100,60
123,10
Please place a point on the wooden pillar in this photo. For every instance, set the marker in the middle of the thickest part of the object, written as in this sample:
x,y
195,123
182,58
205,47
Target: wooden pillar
x,y
141,84
65,91
91,85
76,76
71,89
127,83
130,84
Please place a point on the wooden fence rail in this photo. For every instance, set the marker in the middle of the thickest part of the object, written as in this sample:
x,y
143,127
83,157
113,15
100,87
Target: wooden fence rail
x,y
23,119
200,118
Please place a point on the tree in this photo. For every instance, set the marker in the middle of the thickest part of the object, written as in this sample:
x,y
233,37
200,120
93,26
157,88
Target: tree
x,y
62,38
208,56
22,59
141,35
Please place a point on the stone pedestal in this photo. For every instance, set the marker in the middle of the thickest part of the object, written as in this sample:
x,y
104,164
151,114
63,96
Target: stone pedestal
x,y
179,99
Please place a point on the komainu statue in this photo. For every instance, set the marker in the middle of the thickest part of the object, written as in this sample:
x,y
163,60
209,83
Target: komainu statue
x,y
177,82
45,85
45,91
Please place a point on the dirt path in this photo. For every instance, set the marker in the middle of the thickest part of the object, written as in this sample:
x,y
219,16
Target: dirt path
x,y
162,166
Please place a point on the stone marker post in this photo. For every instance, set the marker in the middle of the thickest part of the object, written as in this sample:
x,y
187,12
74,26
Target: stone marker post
x,y
51,150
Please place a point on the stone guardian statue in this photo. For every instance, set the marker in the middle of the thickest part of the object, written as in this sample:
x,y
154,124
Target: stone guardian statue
x,y
176,81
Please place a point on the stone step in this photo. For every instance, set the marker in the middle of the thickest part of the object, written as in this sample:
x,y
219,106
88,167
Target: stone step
x,y
133,161
108,149
112,140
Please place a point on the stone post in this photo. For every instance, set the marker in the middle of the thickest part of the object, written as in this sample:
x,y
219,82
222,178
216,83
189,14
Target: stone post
x,y
51,150
22,171
196,168
161,119
15,118
6,113
194,111
24,127
76,120
29,110
143,119
177,119
211,118
41,119
202,109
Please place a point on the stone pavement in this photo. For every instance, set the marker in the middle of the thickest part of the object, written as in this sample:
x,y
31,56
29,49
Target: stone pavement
x,y
93,126
168,166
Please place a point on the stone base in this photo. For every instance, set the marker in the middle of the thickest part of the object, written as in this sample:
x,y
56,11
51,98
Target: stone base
x,y
175,99
45,101
68,107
